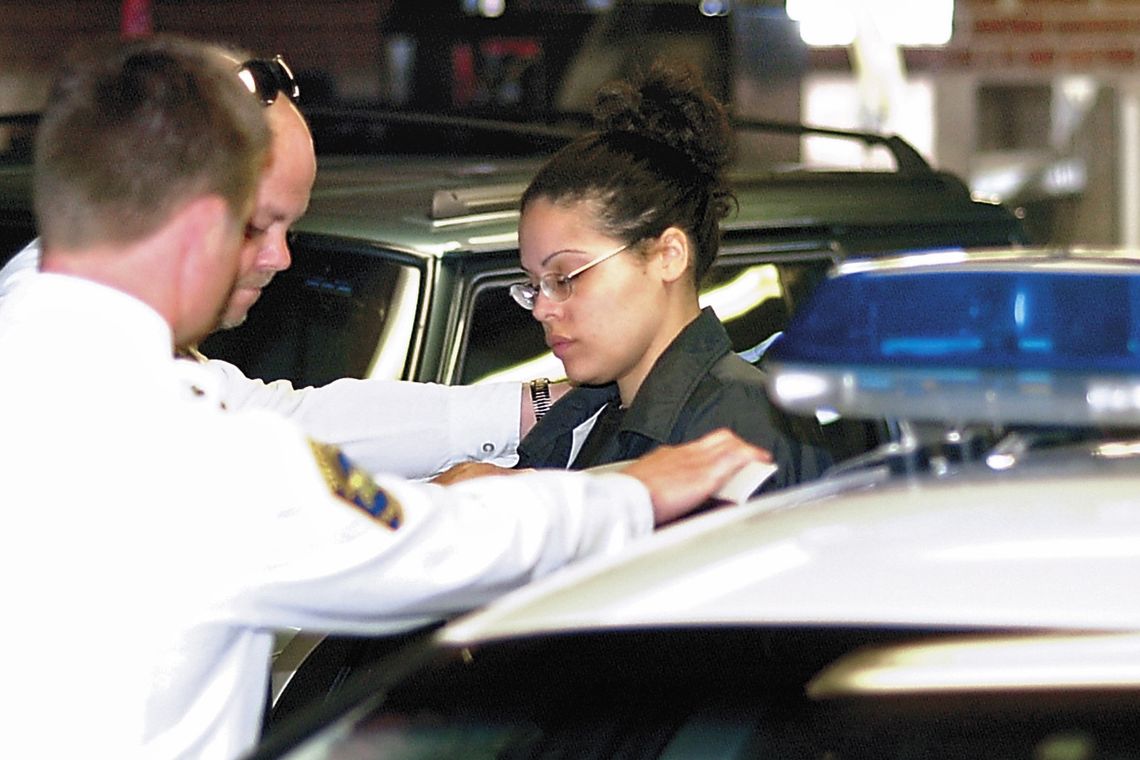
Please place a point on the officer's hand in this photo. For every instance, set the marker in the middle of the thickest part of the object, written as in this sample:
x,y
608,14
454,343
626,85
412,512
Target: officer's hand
x,y
468,470
682,478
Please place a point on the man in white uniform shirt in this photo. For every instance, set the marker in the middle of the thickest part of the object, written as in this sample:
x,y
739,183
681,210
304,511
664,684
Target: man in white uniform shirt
x,y
410,429
152,541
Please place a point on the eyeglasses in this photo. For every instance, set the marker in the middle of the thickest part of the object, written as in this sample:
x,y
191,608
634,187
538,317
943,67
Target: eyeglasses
x,y
556,287
268,77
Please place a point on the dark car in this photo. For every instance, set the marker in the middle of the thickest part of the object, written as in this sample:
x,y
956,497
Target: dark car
x,y
402,264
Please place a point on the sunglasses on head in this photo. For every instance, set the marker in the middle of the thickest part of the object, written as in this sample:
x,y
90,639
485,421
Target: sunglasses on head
x,y
268,77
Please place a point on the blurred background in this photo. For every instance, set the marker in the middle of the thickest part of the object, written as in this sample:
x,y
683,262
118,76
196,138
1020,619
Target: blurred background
x,y
1035,103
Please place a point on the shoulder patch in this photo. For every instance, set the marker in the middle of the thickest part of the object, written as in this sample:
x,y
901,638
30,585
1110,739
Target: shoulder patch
x,y
356,486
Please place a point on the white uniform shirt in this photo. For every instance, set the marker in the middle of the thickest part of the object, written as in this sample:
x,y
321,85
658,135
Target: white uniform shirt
x,y
152,542
404,428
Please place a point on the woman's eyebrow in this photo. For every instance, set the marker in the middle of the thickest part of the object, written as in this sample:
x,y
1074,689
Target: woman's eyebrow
x,y
559,252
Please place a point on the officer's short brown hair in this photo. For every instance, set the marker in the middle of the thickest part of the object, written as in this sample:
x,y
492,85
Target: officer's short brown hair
x,y
133,130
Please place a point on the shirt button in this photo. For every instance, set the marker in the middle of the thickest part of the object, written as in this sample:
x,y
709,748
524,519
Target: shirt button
x,y
488,447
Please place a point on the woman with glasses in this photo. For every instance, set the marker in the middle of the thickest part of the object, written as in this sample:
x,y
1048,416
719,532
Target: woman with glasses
x,y
616,232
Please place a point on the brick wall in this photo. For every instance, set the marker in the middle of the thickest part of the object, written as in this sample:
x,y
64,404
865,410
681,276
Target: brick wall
x,y
1084,35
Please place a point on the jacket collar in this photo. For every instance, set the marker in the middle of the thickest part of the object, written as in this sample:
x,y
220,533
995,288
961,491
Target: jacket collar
x,y
676,373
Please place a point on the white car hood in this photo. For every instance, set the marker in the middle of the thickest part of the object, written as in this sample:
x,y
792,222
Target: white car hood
x,y
1042,548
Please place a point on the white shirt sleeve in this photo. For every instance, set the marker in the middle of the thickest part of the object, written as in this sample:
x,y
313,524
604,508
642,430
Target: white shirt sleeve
x,y
404,428
414,430
332,566
20,267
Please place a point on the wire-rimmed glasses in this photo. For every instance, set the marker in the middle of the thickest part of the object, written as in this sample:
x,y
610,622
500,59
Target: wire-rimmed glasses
x,y
556,287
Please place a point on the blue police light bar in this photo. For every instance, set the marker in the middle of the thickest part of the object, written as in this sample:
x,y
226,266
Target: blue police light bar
x,y
1020,336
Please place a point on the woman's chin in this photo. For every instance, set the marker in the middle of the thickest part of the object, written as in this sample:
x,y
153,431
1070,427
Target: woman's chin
x,y
582,376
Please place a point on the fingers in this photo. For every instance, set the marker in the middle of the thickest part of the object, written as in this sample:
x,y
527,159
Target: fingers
x,y
682,478
469,470
723,443
725,454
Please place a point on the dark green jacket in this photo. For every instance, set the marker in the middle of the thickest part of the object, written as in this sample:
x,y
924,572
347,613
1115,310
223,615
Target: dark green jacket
x,y
697,385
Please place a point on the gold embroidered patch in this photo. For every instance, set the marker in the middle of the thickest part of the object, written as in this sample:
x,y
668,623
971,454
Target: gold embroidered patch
x,y
355,486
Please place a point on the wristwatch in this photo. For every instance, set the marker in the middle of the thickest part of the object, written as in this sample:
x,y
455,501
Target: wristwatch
x,y
540,397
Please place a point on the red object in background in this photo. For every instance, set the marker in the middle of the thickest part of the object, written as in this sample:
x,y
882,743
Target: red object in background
x,y
493,71
135,19
464,79
525,48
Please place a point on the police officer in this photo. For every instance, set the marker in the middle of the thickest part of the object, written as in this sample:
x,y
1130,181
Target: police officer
x,y
411,429
152,541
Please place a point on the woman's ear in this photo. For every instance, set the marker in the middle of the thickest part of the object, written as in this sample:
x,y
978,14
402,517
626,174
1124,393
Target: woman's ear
x,y
675,252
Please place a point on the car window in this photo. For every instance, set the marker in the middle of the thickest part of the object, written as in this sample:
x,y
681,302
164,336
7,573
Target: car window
x,y
341,310
753,299
503,339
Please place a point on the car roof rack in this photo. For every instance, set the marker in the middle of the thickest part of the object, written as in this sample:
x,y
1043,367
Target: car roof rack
x,y
330,123
369,130
453,203
558,129
907,159
419,118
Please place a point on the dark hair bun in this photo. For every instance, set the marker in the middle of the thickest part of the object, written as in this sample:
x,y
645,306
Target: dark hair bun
x,y
669,104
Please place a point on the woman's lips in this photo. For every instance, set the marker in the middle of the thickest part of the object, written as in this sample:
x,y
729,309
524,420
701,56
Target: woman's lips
x,y
558,345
